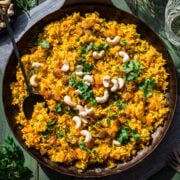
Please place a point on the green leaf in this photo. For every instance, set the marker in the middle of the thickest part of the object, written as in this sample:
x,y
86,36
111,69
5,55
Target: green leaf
x,y
60,134
93,102
147,85
95,152
125,134
123,42
87,68
132,69
102,46
82,145
72,80
25,5
120,105
44,44
12,161
51,123
72,112
58,107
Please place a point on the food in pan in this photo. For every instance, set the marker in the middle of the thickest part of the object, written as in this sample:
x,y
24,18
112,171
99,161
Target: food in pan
x,y
104,87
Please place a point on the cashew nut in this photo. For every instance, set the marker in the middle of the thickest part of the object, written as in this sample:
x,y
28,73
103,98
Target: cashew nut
x,y
37,64
115,85
104,98
77,120
88,110
113,41
84,120
77,91
124,55
83,113
106,81
120,82
79,70
65,66
67,100
87,135
2,25
88,79
117,143
10,10
5,2
98,55
33,80
79,108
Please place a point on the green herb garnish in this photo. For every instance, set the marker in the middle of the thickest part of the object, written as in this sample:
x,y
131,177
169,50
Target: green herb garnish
x,y
58,107
44,44
25,5
60,134
132,70
123,42
120,105
147,85
12,161
91,46
86,91
51,123
82,145
126,134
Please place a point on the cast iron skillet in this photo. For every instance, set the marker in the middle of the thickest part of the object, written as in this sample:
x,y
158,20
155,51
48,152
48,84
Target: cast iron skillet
x,y
110,13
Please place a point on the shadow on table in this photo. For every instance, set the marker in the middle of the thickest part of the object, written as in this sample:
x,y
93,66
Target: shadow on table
x,y
167,173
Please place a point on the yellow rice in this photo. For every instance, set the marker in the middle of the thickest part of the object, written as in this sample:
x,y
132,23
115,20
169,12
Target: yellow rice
x,y
52,131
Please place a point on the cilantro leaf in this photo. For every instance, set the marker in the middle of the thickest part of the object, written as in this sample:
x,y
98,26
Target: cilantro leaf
x,y
120,105
44,44
86,91
58,107
125,135
60,134
51,123
12,161
82,145
147,85
132,70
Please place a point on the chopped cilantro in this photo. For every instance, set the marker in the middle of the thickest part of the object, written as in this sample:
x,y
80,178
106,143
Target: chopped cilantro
x,y
12,161
82,145
91,46
147,85
44,44
51,123
132,70
125,135
119,104
72,80
86,91
60,134
58,107
87,67
123,42
94,152
71,112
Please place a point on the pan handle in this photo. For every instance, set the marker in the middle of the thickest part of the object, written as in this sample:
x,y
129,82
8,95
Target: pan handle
x,y
71,2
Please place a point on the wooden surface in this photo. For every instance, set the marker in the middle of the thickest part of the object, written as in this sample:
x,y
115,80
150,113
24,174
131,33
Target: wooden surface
x,y
40,172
